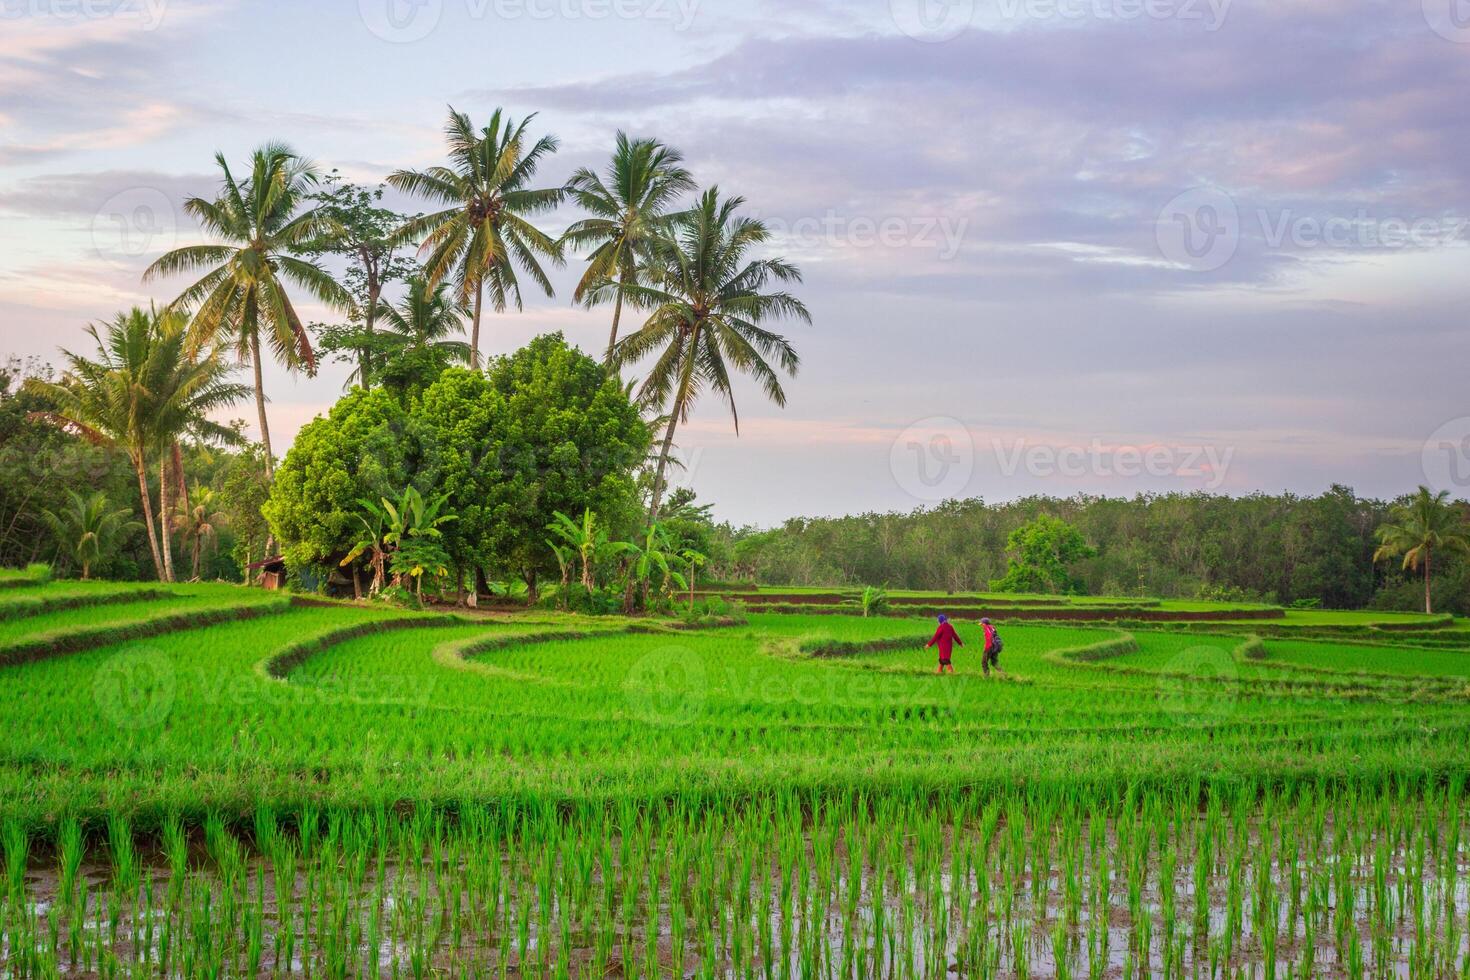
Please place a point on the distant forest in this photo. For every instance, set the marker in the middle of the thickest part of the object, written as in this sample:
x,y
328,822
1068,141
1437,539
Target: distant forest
x,y
1275,548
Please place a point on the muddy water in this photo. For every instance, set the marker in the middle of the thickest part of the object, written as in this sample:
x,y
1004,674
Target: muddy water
x,y
963,904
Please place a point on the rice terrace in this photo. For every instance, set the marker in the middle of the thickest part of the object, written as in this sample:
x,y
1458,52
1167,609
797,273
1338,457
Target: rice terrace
x,y
734,490
271,787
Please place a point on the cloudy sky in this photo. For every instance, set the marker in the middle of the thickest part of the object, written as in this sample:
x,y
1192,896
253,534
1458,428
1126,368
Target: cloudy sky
x,y
1050,246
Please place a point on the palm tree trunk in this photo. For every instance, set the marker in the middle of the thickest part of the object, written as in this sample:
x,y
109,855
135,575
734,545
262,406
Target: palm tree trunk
x,y
475,326
197,550
680,399
139,468
1428,605
663,460
265,429
165,518
369,318
612,339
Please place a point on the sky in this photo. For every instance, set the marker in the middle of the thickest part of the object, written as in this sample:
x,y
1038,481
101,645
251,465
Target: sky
x,y
1048,246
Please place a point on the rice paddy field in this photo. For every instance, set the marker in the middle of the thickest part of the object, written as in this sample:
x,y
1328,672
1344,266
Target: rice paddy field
x,y
200,780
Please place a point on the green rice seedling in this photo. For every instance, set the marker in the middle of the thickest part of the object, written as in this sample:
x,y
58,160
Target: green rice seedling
x,y
17,842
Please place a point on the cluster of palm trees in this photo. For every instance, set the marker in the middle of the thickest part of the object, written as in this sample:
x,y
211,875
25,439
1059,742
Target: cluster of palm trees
x,y
688,270
144,391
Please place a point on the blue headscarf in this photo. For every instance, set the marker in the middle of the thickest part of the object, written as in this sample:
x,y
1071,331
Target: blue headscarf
x,y
943,618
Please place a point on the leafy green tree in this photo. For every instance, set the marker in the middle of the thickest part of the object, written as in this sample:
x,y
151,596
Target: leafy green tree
x,y
359,229
481,230
90,528
261,229
1042,553
142,393
459,422
708,301
563,436
40,462
242,489
359,450
629,212
1426,524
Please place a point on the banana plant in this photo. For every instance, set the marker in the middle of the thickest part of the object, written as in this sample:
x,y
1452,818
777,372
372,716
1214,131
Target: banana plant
x,y
372,543
404,525
586,538
693,559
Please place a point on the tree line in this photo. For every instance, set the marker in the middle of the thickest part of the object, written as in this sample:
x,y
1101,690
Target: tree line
x,y
1336,548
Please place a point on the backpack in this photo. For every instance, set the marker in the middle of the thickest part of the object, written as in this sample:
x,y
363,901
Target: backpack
x,y
996,646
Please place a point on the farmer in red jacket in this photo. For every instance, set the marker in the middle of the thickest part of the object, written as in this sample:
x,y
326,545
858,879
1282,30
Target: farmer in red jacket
x,y
945,637
991,657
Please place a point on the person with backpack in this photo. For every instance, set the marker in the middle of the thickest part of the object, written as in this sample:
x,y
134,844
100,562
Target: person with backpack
x,y
993,647
945,638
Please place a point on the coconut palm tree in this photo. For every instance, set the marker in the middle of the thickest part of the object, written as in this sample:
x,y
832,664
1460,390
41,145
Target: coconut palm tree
x,y
142,393
629,211
88,528
480,233
197,521
260,226
1426,523
426,317
708,300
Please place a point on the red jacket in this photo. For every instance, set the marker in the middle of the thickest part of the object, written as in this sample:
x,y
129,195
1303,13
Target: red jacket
x,y
945,636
